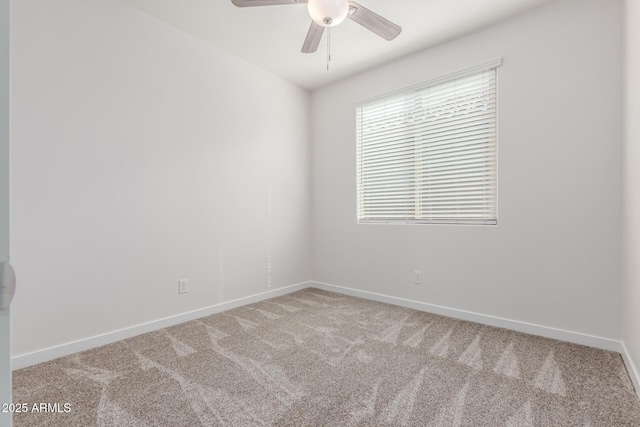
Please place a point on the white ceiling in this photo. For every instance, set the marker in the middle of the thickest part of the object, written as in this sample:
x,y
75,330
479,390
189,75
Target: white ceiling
x,y
271,36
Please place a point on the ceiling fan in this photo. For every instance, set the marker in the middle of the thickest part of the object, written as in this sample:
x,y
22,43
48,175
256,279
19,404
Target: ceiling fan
x,y
329,13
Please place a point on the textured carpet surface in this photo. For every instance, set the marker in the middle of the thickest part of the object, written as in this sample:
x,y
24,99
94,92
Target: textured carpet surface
x,y
316,358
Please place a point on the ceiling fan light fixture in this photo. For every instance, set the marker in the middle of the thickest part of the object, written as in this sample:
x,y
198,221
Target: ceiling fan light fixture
x,y
328,13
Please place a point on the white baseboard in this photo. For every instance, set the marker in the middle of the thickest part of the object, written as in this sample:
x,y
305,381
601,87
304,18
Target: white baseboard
x,y
44,355
515,325
631,368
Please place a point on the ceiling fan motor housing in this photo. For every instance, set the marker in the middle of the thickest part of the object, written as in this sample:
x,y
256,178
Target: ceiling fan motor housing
x,y
328,13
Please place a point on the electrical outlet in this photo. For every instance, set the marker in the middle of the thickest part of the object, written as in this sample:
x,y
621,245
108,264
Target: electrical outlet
x,y
417,277
183,286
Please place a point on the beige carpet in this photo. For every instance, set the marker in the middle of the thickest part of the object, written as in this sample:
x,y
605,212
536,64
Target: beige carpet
x,y
315,358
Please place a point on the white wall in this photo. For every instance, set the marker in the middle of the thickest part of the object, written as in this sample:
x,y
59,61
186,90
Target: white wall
x,y
141,156
631,195
554,258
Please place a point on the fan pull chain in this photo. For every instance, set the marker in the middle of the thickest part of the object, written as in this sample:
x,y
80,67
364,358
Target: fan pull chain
x,y
328,47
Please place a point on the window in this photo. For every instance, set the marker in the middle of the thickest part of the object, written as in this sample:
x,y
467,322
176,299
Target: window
x,y
427,154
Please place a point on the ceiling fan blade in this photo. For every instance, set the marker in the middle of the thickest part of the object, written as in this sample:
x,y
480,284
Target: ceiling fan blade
x,y
314,36
252,3
374,22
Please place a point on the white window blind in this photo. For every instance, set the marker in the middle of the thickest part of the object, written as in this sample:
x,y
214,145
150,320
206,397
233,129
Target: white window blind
x,y
427,154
